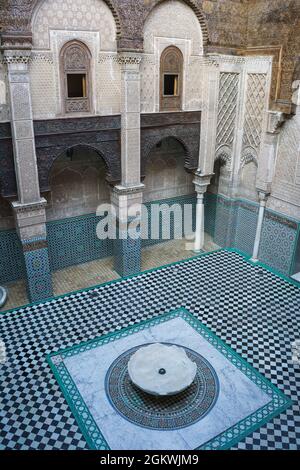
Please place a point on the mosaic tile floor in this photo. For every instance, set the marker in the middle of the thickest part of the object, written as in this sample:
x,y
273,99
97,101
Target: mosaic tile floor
x,y
227,400
251,309
97,272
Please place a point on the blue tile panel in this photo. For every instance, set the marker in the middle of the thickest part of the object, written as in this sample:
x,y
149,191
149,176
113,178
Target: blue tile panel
x,y
278,242
180,201
39,283
246,223
210,203
74,241
225,226
12,266
127,253
232,223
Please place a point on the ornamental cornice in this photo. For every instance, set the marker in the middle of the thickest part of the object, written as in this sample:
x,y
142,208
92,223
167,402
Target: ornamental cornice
x,y
10,41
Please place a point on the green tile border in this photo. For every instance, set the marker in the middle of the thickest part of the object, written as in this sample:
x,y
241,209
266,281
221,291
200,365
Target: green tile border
x,y
246,257
279,402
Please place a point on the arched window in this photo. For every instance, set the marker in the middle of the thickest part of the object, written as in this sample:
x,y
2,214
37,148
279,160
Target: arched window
x,y
171,79
76,86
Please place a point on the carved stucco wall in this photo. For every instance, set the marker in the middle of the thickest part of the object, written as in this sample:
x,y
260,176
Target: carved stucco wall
x,y
241,122
247,182
78,185
55,23
285,196
4,107
73,15
254,114
165,173
254,127
165,27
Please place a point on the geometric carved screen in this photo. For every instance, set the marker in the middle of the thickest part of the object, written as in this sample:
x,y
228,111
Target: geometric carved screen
x,y
255,107
228,95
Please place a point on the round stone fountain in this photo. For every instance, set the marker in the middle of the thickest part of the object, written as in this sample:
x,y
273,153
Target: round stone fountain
x,y
161,370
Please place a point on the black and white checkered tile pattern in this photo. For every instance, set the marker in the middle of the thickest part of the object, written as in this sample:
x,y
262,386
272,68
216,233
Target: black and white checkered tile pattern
x,y
251,309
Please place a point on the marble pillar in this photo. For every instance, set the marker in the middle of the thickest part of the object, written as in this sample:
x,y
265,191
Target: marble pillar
x,y
29,209
201,183
265,171
209,119
130,118
262,207
127,197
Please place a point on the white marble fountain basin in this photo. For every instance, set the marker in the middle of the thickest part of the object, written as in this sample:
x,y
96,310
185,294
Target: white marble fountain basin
x,y
161,370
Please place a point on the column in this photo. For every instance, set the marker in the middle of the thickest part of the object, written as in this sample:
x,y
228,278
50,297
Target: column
x,y
199,236
128,196
266,165
29,209
201,183
209,118
262,207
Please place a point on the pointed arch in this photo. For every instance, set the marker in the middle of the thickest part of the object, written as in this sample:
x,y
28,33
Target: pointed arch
x,y
37,3
193,4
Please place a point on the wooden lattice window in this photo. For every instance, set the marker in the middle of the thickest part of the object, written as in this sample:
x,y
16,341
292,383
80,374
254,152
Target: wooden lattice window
x,y
171,79
76,86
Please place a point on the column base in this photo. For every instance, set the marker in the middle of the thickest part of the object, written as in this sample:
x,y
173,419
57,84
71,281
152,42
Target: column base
x,y
254,260
127,257
127,248
198,252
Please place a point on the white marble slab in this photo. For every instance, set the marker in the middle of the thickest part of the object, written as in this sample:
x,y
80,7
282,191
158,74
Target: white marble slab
x,y
238,396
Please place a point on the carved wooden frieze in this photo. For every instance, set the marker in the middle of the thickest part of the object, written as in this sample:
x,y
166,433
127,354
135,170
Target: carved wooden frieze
x,y
55,137
183,126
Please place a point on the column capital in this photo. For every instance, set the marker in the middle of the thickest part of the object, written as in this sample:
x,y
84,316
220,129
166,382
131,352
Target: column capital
x,y
129,59
127,190
276,119
16,56
296,93
263,197
21,208
16,47
30,219
126,200
202,181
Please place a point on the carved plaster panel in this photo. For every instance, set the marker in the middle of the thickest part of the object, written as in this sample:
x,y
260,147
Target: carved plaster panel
x,y
255,107
72,15
227,113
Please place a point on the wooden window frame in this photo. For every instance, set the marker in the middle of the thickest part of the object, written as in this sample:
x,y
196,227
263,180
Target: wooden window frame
x,y
77,63
170,103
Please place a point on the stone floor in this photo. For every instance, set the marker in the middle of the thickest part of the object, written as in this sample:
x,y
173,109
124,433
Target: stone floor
x,y
248,307
100,271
